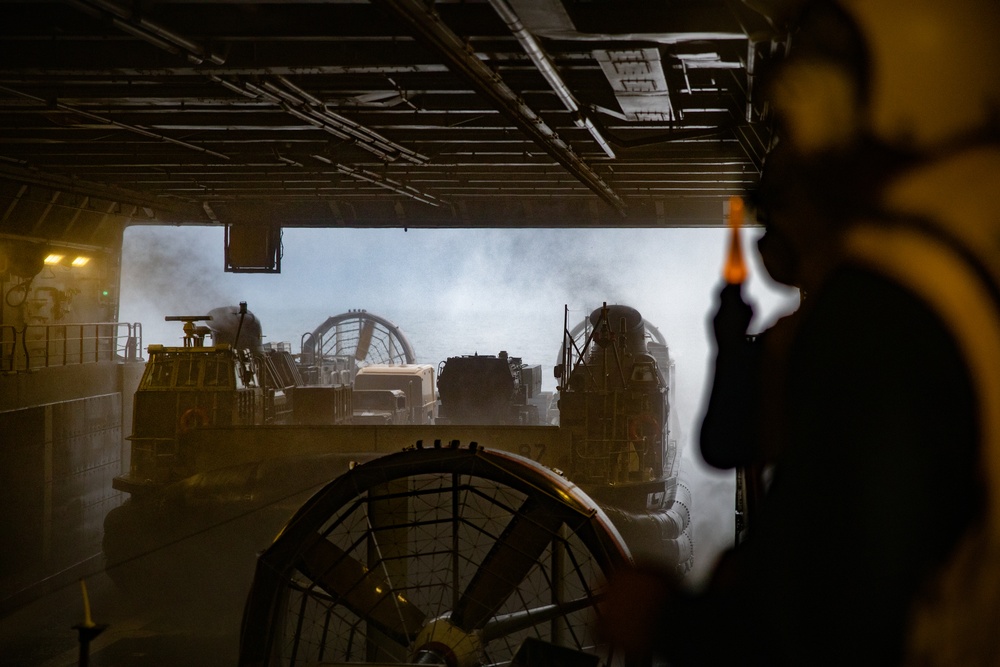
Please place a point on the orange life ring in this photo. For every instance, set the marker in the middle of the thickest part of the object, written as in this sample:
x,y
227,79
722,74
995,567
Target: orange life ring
x,y
635,433
193,418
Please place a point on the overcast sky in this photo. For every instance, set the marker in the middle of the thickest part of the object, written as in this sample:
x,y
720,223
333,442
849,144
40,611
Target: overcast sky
x,y
455,292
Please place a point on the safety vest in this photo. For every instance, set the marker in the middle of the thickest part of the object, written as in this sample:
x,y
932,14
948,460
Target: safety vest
x,y
946,249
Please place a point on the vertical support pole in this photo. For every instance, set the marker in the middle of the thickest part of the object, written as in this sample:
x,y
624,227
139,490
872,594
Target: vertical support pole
x,y
388,547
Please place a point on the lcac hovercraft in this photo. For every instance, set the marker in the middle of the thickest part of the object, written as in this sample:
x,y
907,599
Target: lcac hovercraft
x,y
468,556
236,380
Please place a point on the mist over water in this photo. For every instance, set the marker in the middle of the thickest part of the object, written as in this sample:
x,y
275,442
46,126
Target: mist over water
x,y
459,291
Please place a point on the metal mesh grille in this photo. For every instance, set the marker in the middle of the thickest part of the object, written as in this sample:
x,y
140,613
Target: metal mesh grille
x,y
422,540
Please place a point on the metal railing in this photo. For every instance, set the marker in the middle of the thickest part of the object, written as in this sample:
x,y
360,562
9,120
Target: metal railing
x,y
36,346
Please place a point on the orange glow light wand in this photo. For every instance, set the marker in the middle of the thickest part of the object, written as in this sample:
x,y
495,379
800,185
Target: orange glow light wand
x,y
735,269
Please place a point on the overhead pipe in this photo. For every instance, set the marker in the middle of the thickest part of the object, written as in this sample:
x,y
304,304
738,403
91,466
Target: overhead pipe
x,y
366,138
284,100
149,31
250,92
347,131
544,64
424,22
362,133
170,41
316,106
388,184
304,94
297,102
287,160
292,111
107,121
135,31
383,182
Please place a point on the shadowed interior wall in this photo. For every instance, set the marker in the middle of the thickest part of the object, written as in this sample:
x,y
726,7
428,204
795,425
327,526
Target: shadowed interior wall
x,y
57,461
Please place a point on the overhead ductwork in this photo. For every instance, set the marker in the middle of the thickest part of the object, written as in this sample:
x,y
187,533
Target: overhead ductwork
x,y
636,76
547,69
498,112
429,27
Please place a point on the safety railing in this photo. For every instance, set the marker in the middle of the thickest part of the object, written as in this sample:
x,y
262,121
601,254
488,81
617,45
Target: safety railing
x,y
36,346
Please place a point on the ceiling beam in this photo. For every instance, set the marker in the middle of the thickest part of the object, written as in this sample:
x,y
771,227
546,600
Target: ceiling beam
x,y
428,26
90,189
108,121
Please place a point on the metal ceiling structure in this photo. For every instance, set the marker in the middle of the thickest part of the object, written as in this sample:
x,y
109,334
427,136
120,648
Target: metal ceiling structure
x,y
403,113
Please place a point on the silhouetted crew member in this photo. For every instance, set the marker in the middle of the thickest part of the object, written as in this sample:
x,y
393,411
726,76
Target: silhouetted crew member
x,y
890,394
